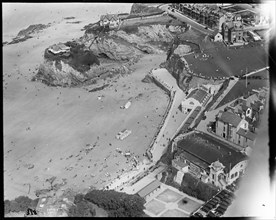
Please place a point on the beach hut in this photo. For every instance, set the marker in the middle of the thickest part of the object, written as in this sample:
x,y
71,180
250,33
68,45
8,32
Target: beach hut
x,y
127,105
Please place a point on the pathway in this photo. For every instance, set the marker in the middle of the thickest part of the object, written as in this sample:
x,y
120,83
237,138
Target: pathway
x,y
225,92
174,118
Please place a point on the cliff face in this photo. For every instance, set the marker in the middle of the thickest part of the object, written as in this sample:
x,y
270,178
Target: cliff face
x,y
176,66
58,73
99,46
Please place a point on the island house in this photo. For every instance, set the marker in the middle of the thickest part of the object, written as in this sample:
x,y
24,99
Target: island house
x,y
112,20
59,48
209,159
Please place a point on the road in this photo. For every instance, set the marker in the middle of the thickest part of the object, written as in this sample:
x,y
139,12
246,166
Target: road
x,y
189,21
225,92
256,71
231,85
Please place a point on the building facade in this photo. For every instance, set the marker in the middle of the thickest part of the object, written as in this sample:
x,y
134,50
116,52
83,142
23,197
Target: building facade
x,y
110,20
209,160
197,97
232,29
234,128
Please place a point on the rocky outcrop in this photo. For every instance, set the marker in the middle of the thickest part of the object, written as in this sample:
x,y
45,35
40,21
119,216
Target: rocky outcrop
x,y
176,67
103,53
32,29
58,73
182,50
27,33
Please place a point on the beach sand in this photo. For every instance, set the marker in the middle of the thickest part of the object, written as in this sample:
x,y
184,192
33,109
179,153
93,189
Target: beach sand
x,y
45,125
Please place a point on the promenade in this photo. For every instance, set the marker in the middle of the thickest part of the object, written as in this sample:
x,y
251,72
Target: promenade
x,y
174,117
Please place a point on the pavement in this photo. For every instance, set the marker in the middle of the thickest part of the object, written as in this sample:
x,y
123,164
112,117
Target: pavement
x,y
225,92
175,117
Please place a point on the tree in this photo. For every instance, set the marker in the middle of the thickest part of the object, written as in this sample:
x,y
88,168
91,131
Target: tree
x,y
7,206
82,209
23,202
117,204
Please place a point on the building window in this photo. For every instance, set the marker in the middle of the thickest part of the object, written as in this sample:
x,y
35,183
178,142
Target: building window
x,y
213,176
232,176
236,174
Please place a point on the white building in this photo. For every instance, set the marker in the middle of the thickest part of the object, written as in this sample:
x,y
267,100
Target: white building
x,y
197,97
111,20
123,134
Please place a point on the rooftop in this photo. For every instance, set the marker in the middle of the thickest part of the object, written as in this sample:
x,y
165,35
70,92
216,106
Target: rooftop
x,y
149,188
198,94
180,163
248,134
204,150
230,118
109,17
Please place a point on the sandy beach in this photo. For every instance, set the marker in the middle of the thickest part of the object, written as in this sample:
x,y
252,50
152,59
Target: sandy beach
x,y
50,127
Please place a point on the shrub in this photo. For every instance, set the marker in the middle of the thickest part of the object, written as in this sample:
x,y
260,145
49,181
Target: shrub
x,y
7,206
196,188
117,203
19,204
82,209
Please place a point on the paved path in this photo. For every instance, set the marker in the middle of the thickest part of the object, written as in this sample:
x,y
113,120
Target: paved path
x,y
256,71
230,86
175,117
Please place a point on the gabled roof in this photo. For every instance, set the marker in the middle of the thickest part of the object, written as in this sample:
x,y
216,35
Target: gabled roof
x,y
109,17
198,94
248,134
255,106
149,188
229,118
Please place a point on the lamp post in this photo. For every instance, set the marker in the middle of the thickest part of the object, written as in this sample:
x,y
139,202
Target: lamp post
x,y
246,77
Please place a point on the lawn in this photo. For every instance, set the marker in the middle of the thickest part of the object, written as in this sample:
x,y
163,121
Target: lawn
x,y
240,89
174,213
188,205
155,207
169,196
224,62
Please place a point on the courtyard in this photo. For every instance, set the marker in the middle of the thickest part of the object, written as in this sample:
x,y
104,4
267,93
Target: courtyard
x,y
169,201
